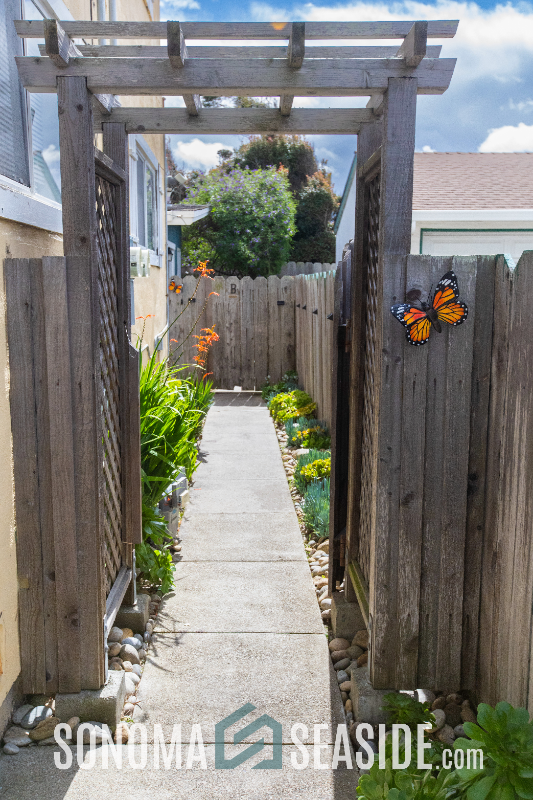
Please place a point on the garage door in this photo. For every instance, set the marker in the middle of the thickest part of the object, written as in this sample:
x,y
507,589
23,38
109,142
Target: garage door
x,y
476,243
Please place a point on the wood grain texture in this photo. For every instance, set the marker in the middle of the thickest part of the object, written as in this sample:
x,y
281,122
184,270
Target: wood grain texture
x,y
482,322
236,51
285,104
413,48
260,321
439,29
62,473
248,335
296,49
222,77
18,282
238,120
176,47
58,46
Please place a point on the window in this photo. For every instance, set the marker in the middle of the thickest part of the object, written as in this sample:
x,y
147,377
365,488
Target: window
x,y
146,204
44,126
14,162
146,200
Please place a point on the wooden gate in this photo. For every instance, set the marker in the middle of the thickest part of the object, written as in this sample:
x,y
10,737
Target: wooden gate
x,y
75,416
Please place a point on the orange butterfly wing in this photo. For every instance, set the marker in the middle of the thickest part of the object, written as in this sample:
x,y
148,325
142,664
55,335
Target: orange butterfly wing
x,y
445,300
415,320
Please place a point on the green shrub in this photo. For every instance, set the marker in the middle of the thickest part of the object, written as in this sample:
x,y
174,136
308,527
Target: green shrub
x,y
315,507
250,225
505,735
172,414
291,404
321,468
304,461
403,709
312,434
288,382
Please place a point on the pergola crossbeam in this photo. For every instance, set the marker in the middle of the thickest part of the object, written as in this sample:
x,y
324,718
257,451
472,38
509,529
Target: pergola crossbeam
x,y
177,55
295,59
327,77
413,48
437,29
243,51
239,120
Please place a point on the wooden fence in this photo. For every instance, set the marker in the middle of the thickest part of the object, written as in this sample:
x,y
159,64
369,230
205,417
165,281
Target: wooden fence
x,y
443,571
305,268
266,327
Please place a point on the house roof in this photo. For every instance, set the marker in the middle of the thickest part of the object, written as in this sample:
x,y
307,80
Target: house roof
x,y
473,180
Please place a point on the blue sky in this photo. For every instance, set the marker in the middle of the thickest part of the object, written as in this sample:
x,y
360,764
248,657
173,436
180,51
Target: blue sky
x,y
488,107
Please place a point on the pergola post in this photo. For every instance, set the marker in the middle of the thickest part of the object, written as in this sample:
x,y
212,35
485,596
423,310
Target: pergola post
x,y
79,240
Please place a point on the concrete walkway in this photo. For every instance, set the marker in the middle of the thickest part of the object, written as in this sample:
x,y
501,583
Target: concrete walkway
x,y
242,627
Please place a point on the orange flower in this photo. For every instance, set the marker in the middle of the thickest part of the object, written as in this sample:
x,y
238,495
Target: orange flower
x,y
207,337
203,270
146,317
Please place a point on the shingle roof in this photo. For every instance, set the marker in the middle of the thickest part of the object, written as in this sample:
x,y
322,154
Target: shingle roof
x,y
473,180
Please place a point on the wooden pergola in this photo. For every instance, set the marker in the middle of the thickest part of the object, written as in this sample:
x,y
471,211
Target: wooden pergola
x,y
88,458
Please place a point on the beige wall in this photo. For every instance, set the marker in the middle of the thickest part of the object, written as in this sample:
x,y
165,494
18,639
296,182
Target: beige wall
x,y
16,241
23,241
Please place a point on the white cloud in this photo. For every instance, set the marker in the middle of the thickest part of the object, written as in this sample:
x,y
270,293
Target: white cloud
x,y
197,154
522,105
51,155
427,149
509,139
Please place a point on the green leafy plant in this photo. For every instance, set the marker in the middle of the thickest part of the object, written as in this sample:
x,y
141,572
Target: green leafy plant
x,y
156,564
403,709
304,461
289,381
315,507
291,404
249,228
321,468
406,784
505,735
313,435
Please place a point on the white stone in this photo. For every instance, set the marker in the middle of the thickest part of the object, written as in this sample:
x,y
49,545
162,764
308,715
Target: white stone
x,y
10,749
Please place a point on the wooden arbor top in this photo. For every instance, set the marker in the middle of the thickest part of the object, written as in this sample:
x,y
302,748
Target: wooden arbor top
x,y
280,70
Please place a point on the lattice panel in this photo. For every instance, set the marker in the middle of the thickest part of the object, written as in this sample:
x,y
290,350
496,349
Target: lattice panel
x,y
109,374
368,467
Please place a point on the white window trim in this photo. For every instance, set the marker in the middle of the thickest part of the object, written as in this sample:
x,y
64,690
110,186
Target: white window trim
x,y
138,145
20,203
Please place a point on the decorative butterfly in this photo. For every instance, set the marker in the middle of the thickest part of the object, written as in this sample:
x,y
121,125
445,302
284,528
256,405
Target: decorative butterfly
x,y
442,307
175,287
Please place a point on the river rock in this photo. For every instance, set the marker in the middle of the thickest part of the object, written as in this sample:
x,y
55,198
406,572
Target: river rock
x,y
440,720
454,698
133,642
362,660
342,664
44,729
346,686
139,638
337,655
439,702
114,649
460,732
128,710
361,639
137,670
99,731
142,654
16,734
126,633
10,749
324,547
115,635
342,676
453,714
47,742
325,603
20,713
135,678
467,715
116,666
338,644
348,705
129,653
425,696
354,651
122,733
445,735
128,666
36,715
130,686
